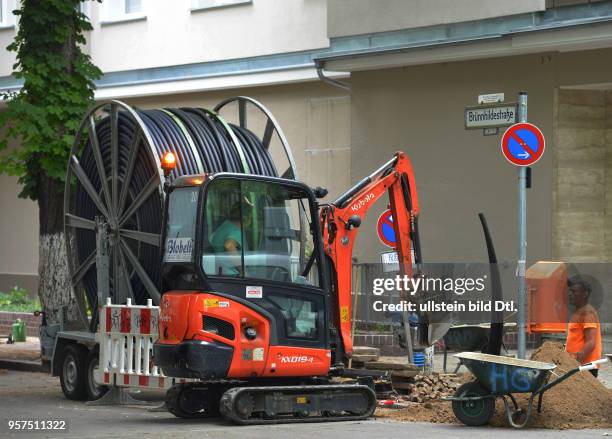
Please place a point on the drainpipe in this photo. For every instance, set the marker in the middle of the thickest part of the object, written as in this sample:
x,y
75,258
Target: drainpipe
x,y
320,65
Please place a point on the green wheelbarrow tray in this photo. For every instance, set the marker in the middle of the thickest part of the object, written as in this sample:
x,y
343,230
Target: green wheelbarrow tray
x,y
501,377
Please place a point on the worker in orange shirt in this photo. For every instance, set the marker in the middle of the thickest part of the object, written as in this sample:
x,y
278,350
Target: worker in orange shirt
x,y
584,330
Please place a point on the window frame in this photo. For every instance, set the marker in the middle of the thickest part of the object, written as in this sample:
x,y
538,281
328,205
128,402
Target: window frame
x,y
314,229
217,4
313,304
107,17
7,18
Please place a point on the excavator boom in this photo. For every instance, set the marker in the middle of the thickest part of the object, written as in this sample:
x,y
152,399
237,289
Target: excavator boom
x,y
340,221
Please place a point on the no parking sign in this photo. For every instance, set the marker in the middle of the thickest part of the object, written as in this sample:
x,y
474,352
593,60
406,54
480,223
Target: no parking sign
x,y
523,144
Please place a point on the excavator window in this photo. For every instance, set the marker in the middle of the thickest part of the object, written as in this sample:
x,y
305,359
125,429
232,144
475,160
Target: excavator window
x,y
180,228
256,229
300,315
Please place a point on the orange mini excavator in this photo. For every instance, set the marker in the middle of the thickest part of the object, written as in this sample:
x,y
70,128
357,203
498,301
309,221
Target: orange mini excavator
x,y
257,302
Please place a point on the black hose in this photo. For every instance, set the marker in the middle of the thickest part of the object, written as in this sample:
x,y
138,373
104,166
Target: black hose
x,y
497,323
201,143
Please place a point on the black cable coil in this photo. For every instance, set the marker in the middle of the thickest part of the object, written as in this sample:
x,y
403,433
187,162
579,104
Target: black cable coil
x,y
202,143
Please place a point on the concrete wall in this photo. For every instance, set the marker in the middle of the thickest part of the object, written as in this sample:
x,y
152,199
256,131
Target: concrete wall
x,y
19,238
173,35
460,173
608,183
368,16
582,220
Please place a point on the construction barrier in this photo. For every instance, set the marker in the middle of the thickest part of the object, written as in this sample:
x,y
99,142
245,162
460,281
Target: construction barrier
x,y
126,335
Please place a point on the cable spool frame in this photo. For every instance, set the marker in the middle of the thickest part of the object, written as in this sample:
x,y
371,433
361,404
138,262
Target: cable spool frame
x,y
107,193
271,126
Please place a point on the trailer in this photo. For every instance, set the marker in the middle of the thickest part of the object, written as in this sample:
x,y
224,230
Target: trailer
x,y
113,206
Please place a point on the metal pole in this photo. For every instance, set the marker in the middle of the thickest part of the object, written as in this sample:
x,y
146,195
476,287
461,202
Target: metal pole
x,y
522,238
102,262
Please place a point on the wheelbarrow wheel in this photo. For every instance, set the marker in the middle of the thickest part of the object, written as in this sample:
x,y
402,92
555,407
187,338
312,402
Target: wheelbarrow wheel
x,y
474,413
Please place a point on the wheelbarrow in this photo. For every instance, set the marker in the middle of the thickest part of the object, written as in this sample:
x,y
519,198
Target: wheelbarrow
x,y
501,377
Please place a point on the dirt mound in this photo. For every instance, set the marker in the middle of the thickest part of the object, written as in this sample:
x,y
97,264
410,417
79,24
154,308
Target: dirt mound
x,y
581,401
438,412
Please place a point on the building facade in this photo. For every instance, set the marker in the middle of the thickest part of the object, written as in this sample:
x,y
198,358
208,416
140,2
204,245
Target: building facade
x,y
350,82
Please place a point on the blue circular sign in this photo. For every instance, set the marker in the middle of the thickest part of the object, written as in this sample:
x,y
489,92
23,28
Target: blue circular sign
x,y
386,233
523,144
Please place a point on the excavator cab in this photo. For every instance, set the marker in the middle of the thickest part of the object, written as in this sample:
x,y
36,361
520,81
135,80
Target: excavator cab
x,y
257,302
246,294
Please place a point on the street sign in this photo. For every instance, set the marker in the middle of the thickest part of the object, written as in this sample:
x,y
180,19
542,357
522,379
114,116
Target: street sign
x,y
385,230
487,116
390,262
523,144
491,98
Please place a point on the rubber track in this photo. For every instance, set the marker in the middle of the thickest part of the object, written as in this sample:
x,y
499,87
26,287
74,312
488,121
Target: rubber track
x,y
229,398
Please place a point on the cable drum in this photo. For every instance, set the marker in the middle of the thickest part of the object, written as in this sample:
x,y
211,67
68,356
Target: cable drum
x,y
114,176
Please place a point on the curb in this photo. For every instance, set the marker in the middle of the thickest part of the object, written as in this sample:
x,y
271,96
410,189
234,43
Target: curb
x,y
25,366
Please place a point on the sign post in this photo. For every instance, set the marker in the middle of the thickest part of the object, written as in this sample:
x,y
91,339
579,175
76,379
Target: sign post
x,y
522,238
522,144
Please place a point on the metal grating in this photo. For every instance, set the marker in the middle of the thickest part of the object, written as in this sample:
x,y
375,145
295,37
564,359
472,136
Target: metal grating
x,y
217,326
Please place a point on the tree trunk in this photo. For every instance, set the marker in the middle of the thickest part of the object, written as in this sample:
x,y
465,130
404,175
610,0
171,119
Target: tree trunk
x,y
55,287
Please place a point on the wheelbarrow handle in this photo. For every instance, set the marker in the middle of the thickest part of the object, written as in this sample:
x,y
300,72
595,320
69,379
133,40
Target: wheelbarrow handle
x,y
593,364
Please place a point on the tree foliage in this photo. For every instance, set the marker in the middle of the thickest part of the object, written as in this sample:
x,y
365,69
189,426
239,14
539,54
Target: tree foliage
x,y
43,116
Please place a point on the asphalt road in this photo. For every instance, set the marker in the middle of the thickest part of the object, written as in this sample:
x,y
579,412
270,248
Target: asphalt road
x,y
26,395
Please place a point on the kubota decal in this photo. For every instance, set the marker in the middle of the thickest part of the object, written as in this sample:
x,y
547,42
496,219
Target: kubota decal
x,y
362,202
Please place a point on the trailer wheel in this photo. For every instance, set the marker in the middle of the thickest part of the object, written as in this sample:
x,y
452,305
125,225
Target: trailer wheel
x,y
474,413
94,390
73,374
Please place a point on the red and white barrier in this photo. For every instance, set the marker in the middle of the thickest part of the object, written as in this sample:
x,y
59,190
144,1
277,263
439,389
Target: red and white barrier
x,y
126,335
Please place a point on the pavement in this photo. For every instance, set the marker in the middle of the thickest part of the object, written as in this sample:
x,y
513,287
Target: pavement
x,y
30,395
24,351
24,356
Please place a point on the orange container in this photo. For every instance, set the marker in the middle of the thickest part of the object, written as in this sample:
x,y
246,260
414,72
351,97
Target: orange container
x,y
547,297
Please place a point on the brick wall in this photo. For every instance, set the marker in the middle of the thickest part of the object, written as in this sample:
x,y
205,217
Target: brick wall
x,y
385,342
511,338
388,345
7,319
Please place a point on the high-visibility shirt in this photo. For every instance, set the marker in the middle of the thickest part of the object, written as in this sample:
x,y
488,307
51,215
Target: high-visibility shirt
x,y
582,319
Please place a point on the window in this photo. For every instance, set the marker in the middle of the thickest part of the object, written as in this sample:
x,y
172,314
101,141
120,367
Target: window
x,y
211,4
257,229
300,315
122,10
85,8
7,19
180,228
132,6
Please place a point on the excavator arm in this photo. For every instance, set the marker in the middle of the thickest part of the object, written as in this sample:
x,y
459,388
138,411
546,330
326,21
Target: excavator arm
x,y
340,221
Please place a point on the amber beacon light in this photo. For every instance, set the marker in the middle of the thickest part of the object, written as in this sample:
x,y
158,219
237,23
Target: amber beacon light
x,y
168,163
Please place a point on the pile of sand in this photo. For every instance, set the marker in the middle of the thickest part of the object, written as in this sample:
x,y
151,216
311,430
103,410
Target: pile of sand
x,y
438,412
579,402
